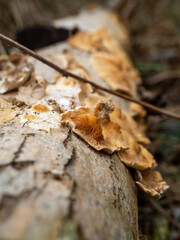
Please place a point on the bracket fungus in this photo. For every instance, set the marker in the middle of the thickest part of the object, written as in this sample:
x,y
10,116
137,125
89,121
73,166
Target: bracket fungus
x,y
152,183
137,110
15,70
113,132
114,72
98,131
108,59
99,40
128,124
137,157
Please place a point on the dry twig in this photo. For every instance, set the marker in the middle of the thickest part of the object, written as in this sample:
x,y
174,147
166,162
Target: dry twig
x,y
69,74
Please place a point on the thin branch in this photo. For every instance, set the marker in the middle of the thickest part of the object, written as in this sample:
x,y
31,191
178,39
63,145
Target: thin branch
x,y
69,74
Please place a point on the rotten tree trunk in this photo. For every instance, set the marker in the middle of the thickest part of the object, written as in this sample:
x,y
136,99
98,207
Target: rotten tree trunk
x,y
54,185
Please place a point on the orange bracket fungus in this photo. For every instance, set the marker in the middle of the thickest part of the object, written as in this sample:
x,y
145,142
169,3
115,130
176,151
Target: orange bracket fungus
x,y
96,129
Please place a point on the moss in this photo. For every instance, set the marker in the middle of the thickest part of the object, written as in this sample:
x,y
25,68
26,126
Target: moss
x,y
146,68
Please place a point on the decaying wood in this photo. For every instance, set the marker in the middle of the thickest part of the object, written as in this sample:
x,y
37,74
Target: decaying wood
x,y
53,184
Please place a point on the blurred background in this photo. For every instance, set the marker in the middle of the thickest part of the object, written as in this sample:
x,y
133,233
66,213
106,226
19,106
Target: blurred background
x,y
154,28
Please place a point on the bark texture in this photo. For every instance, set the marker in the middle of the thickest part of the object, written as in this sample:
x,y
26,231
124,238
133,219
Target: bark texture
x,y
54,185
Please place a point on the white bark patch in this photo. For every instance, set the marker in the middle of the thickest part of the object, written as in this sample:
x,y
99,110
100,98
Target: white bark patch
x,y
41,116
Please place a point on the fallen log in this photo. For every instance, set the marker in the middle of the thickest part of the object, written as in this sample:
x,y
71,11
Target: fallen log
x,y
63,144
